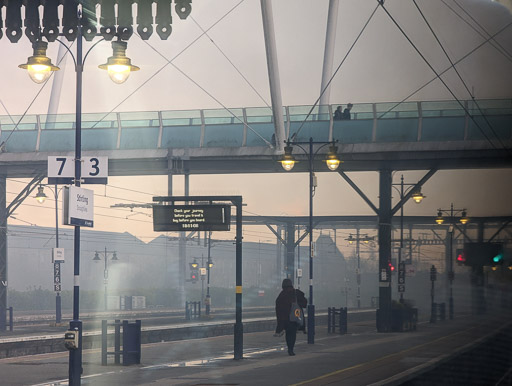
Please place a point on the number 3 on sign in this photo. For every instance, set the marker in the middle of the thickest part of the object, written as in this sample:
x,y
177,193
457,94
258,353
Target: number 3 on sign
x,y
95,170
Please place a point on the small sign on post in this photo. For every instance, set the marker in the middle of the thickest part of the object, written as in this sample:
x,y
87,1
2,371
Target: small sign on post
x,y
78,204
58,255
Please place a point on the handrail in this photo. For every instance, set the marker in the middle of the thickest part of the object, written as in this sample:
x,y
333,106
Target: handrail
x,y
360,111
371,123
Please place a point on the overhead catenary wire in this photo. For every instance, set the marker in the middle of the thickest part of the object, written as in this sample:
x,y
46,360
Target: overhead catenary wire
x,y
493,42
125,218
231,62
50,198
169,61
97,194
441,79
505,51
446,70
211,95
336,71
460,77
95,236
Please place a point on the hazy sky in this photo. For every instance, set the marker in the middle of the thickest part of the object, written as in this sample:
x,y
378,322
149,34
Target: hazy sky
x,y
382,67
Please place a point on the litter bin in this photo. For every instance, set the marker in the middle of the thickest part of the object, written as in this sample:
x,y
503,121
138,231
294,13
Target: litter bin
x,y
131,342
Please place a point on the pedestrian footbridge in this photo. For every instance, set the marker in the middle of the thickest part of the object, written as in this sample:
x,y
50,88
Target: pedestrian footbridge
x,y
409,135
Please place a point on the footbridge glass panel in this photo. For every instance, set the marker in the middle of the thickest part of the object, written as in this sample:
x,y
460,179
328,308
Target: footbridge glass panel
x,y
224,128
18,133
139,130
260,126
443,128
181,129
308,122
251,127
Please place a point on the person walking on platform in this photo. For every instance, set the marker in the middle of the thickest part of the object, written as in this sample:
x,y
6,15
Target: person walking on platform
x,y
284,301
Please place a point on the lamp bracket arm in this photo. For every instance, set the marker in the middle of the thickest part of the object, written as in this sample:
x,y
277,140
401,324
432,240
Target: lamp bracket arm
x,y
298,144
90,49
323,144
68,50
49,186
418,185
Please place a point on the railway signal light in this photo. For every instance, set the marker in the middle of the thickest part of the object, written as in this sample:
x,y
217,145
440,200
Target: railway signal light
x,y
433,273
194,271
461,257
498,259
483,254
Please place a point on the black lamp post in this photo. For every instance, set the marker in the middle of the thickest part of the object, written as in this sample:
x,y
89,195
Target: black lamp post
x,y
288,161
452,213
105,271
209,265
365,239
40,68
79,20
417,196
41,197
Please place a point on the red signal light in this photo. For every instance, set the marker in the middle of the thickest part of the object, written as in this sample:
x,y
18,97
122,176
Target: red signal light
x,y
461,258
391,267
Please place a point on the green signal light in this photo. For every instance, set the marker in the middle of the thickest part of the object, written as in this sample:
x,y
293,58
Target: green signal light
x,y
497,258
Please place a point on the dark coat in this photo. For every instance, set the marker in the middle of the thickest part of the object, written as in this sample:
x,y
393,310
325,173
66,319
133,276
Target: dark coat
x,y
284,304
346,114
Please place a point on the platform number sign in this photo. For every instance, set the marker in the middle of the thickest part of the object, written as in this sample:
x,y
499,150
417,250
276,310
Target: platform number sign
x,y
57,285
61,170
401,277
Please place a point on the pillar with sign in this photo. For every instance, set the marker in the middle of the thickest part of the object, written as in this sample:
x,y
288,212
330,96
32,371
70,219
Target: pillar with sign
x,y
433,278
167,216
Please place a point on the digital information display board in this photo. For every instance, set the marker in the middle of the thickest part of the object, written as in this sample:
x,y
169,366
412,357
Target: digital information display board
x,y
191,217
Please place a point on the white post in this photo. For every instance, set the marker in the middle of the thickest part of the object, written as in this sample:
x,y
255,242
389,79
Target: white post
x,y
330,39
58,79
273,72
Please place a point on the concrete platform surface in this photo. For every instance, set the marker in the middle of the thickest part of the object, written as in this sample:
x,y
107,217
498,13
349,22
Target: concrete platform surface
x,y
361,357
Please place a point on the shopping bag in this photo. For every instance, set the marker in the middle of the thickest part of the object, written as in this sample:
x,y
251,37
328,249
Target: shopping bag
x,y
297,314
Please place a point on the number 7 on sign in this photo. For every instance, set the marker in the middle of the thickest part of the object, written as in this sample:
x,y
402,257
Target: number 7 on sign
x,y
62,163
